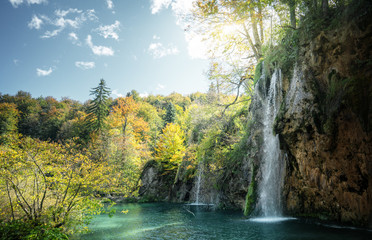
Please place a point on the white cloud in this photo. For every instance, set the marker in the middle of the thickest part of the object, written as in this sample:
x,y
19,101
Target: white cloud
x,y
16,62
109,31
157,50
116,93
43,73
99,50
35,22
155,37
16,3
197,46
85,65
36,1
182,7
49,34
74,38
110,4
157,5
63,13
160,87
71,18
143,95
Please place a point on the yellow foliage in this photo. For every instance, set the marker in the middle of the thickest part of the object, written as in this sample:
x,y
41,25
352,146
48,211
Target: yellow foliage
x,y
49,182
170,148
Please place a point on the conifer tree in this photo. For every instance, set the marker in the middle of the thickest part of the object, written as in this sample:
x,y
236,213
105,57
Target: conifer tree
x,y
99,109
170,115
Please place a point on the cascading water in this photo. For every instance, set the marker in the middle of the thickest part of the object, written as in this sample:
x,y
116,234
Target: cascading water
x,y
198,183
204,194
269,198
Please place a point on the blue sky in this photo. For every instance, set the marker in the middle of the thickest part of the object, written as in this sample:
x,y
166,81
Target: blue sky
x,y
62,48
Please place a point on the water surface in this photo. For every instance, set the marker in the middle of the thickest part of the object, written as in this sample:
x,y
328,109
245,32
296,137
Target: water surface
x,y
179,221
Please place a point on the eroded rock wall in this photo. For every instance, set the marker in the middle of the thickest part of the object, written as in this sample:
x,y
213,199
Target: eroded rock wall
x,y
325,126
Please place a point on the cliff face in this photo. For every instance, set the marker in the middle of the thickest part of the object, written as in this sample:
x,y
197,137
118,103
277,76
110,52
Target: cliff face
x,y
325,126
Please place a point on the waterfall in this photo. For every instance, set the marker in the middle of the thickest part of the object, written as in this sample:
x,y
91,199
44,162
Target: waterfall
x,y
198,183
269,192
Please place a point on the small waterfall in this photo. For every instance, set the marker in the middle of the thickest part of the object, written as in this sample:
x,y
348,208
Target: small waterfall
x,y
269,196
198,183
204,194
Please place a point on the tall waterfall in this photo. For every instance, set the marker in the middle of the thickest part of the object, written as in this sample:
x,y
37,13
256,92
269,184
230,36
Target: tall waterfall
x,y
269,192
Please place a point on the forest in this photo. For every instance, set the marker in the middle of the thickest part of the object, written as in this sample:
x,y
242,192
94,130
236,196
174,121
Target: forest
x,y
61,158
64,162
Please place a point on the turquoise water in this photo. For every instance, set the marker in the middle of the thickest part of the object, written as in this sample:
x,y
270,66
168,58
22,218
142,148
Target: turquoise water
x,y
176,221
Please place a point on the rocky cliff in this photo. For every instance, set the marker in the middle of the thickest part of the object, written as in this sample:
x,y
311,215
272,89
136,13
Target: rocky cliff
x,y
325,126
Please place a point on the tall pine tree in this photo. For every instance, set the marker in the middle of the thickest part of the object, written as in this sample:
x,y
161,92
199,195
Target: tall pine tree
x,y
170,115
99,108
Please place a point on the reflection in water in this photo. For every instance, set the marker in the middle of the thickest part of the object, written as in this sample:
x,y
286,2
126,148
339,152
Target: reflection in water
x,y
177,221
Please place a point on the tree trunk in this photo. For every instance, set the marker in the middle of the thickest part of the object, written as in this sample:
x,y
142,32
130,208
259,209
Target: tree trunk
x,y
260,17
325,8
10,200
255,52
257,40
292,13
315,5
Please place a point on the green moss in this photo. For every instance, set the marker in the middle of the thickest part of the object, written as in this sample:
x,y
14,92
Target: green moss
x,y
257,72
251,196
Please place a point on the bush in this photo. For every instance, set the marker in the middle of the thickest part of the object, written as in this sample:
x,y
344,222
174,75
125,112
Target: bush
x,y
29,230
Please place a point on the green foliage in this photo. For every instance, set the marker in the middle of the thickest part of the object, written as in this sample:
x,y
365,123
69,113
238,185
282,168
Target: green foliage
x,y
98,109
284,55
30,230
170,148
330,96
258,72
48,183
170,115
9,116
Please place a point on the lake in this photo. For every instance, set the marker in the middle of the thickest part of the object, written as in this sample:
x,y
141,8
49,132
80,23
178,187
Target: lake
x,y
180,221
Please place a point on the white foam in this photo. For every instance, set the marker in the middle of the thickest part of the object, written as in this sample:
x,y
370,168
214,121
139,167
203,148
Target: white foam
x,y
199,204
271,219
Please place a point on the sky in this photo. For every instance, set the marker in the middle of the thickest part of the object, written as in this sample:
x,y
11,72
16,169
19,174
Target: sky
x,y
62,48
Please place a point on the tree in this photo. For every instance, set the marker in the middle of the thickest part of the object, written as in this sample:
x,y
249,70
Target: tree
x,y
234,32
292,12
9,116
224,13
170,115
98,109
127,147
48,183
134,94
170,148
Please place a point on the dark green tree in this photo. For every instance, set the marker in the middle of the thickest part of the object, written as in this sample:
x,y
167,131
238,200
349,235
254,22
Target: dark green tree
x,y
134,94
99,107
170,115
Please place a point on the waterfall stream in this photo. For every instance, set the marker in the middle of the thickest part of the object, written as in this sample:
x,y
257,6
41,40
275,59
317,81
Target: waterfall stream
x,y
269,192
198,183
